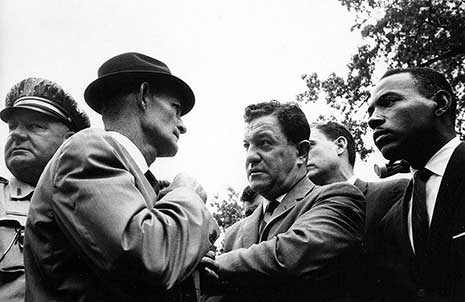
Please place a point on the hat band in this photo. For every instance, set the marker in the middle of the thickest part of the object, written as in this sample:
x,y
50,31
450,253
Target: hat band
x,y
44,105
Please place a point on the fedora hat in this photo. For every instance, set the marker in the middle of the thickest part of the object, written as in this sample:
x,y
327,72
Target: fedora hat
x,y
135,67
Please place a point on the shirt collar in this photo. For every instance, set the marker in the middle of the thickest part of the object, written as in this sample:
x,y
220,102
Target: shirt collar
x,y
352,179
280,198
438,162
19,189
132,149
266,201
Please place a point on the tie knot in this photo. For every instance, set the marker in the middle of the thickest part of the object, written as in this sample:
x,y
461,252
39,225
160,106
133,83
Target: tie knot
x,y
423,174
272,205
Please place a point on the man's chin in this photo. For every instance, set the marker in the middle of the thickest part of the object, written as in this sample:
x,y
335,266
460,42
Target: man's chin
x,y
259,186
19,163
391,152
169,152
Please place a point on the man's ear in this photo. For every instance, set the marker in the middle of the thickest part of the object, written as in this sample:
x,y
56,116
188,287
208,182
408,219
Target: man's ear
x,y
143,95
443,102
341,143
303,147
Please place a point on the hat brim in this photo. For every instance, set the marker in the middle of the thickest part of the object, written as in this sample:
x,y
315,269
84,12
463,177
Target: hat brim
x,y
98,92
6,112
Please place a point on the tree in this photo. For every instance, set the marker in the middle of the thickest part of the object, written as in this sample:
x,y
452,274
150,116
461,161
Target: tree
x,y
396,33
227,208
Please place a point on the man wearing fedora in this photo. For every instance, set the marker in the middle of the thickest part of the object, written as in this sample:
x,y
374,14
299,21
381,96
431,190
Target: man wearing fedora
x,y
98,228
40,117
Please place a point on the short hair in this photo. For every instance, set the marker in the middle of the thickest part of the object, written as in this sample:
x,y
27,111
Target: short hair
x,y
291,118
114,95
428,82
333,130
248,195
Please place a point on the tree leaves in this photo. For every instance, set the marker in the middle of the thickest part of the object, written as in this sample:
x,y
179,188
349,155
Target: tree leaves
x,y
396,33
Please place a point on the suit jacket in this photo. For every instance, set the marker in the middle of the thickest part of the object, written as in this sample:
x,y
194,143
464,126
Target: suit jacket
x,y
305,250
96,230
380,196
444,272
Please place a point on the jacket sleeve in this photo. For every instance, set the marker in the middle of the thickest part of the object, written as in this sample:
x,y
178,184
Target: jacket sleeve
x,y
99,208
311,248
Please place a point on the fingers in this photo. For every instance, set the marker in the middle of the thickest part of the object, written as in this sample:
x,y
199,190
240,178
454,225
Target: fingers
x,y
210,274
163,184
184,180
210,254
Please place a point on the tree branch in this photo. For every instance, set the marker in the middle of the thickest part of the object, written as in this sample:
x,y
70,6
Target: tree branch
x,y
447,54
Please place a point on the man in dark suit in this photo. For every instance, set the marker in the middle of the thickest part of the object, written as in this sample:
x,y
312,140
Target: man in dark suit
x,y
98,229
298,245
421,247
332,159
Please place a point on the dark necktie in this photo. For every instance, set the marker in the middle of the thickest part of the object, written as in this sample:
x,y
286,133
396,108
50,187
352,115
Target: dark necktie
x,y
272,205
420,225
153,181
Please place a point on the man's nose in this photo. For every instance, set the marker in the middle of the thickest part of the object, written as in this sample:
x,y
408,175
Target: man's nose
x,y
375,120
181,126
18,133
252,155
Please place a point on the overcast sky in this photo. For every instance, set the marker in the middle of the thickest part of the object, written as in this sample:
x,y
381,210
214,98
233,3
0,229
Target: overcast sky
x,y
231,53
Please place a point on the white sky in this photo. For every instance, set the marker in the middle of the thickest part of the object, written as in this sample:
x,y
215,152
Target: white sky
x,y
231,53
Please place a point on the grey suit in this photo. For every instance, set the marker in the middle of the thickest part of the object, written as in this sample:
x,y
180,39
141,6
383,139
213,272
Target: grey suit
x,y
305,250
96,230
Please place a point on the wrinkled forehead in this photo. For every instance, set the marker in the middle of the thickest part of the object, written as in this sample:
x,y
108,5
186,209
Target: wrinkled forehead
x,y
263,125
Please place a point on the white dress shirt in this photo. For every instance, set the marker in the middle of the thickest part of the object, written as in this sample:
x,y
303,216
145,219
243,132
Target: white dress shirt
x,y
132,149
352,180
437,165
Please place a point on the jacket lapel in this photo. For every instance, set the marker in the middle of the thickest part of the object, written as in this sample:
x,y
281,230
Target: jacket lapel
x,y
447,199
403,223
249,229
297,193
142,183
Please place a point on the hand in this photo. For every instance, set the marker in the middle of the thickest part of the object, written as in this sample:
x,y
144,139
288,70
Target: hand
x,y
184,180
163,184
208,266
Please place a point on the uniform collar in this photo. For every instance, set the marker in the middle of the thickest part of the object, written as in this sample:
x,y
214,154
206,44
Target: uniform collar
x,y
19,189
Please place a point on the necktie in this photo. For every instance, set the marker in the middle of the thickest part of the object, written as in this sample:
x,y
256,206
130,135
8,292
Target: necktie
x,y
420,225
153,181
272,205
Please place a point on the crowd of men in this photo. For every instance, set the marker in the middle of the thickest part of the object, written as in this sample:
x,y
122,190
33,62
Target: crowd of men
x,y
84,219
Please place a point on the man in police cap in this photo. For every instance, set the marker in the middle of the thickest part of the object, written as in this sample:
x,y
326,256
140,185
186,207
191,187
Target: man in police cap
x,y
98,228
40,117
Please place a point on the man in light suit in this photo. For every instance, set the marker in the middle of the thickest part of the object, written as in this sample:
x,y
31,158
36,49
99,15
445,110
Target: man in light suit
x,y
421,247
98,229
298,245
332,159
